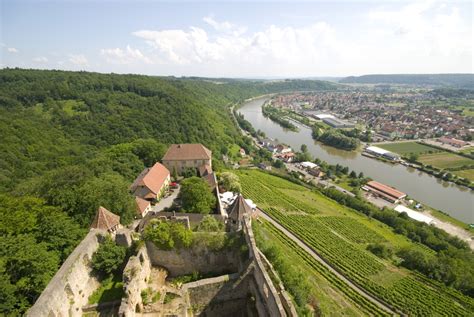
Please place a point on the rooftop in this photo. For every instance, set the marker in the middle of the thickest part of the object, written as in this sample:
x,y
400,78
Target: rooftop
x,y
183,152
386,189
105,220
152,178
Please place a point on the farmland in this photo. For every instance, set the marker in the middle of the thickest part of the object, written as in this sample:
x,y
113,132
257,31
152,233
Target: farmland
x,y
340,236
444,160
406,148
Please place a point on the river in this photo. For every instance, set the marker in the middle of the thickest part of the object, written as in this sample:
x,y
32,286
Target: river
x,y
457,201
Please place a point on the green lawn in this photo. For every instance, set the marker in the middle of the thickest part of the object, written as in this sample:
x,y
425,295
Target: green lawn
x,y
445,160
405,148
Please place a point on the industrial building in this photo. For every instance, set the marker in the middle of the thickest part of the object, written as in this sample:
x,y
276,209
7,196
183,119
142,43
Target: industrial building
x,y
382,153
337,123
386,192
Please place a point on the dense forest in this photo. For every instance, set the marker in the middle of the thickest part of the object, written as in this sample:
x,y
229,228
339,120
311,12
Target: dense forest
x,y
72,141
465,81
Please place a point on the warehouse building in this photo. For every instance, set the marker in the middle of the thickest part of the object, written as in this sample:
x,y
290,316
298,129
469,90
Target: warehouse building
x,y
386,192
337,123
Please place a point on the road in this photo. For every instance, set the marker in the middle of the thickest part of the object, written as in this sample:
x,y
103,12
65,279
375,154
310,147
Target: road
x,y
167,202
313,253
292,168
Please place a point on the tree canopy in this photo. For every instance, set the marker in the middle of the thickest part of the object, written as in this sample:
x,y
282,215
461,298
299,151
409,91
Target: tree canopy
x,y
196,196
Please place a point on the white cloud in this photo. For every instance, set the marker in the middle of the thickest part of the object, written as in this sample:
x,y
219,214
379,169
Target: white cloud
x,y
79,60
40,59
225,26
12,50
287,48
127,56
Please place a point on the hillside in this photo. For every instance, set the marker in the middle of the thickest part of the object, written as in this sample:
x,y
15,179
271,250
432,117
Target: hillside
x,y
72,141
465,81
343,237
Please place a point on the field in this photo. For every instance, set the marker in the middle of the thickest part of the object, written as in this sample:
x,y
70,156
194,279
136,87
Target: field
x,y
469,174
445,160
405,148
340,235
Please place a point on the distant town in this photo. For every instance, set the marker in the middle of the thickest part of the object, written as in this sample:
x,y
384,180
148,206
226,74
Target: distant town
x,y
391,115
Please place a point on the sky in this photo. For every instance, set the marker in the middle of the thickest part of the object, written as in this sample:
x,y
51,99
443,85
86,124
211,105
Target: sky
x,y
245,39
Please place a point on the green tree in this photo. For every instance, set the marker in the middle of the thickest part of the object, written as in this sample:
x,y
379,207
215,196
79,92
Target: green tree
x,y
109,257
230,182
149,151
304,148
380,250
196,196
210,224
109,190
168,235
413,157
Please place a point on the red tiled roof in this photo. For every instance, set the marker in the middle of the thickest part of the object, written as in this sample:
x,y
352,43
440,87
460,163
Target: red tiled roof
x,y
105,219
142,204
153,178
386,189
183,152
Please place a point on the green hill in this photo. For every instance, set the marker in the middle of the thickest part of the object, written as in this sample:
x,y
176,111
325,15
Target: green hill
x,y
437,80
71,141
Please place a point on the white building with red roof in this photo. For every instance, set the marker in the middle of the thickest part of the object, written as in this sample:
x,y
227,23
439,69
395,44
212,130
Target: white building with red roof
x,y
143,206
151,183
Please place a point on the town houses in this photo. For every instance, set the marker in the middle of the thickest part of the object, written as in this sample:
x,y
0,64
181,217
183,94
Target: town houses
x,y
391,115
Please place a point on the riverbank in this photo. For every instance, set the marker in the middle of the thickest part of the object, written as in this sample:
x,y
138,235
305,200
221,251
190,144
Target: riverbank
x,y
420,186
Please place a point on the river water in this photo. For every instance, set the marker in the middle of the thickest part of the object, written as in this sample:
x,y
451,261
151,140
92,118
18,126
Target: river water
x,y
455,200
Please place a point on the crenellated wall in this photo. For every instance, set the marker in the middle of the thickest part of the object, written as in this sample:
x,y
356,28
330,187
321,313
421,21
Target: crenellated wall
x,y
69,289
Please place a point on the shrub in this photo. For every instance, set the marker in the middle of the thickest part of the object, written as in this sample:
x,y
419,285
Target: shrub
x,y
210,224
196,196
109,257
168,235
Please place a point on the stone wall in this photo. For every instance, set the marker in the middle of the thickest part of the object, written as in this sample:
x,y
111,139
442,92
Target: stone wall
x,y
135,279
69,289
269,302
186,261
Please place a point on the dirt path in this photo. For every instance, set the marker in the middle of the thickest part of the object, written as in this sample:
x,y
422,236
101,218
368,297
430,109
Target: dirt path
x,y
311,252
452,230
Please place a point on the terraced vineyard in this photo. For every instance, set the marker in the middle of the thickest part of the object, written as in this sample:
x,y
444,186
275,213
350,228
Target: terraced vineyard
x,y
360,301
344,249
351,229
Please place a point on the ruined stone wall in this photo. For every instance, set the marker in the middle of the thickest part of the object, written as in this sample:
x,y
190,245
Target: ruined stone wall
x,y
135,279
69,289
217,296
269,303
186,261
